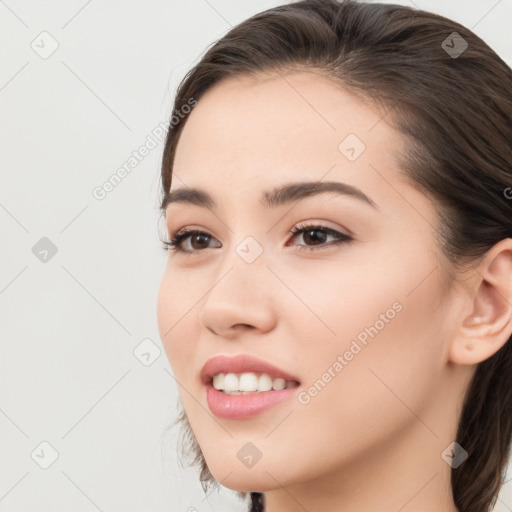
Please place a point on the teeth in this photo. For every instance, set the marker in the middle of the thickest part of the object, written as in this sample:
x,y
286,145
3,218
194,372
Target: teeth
x,y
244,383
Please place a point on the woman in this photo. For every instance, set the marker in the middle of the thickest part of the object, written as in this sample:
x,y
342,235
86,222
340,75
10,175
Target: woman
x,y
337,304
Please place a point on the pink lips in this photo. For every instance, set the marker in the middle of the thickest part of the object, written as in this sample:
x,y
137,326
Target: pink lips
x,y
243,406
237,407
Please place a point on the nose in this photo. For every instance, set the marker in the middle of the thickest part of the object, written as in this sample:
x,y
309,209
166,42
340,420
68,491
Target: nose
x,y
240,300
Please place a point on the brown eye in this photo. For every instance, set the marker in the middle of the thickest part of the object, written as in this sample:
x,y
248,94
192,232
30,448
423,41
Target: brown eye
x,y
313,236
317,235
198,239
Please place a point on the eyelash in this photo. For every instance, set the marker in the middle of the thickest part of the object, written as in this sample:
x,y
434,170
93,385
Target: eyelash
x,y
174,244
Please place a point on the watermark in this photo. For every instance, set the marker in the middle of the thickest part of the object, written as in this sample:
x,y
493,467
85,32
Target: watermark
x,y
44,250
508,193
249,454
44,45
44,455
454,45
351,147
305,397
249,249
454,455
151,142
147,352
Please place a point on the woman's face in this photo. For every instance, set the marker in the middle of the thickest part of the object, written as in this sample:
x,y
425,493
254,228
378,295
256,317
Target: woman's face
x,y
364,325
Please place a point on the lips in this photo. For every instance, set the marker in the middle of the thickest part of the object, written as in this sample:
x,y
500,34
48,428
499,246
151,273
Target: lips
x,y
240,364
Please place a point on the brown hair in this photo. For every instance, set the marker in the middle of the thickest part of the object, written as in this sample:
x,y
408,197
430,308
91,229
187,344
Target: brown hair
x,y
455,112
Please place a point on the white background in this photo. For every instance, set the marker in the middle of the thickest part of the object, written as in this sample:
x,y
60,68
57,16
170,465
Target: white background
x,y
68,327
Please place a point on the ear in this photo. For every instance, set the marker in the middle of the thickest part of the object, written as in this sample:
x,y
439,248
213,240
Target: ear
x,y
488,326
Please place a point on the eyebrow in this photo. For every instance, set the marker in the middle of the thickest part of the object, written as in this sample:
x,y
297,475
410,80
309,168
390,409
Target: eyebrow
x,y
272,198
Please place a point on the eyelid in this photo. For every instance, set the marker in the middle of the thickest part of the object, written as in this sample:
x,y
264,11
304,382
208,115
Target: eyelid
x,y
324,223
317,222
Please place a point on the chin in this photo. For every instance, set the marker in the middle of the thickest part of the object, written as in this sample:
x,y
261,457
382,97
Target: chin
x,y
246,479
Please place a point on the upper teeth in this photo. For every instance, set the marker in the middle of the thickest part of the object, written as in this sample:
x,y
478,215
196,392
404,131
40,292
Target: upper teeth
x,y
249,382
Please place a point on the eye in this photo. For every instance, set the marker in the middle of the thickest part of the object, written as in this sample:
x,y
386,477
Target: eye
x,y
178,239
308,231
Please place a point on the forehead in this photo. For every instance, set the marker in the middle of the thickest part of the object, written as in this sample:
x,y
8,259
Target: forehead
x,y
254,133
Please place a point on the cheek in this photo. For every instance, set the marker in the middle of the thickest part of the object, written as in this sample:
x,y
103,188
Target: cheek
x,y
161,307
164,309
374,399
174,315
390,326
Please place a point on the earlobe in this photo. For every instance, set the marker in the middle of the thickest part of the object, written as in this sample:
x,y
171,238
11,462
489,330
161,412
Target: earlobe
x,y
488,326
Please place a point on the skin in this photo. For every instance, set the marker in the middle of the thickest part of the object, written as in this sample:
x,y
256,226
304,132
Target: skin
x,y
373,437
